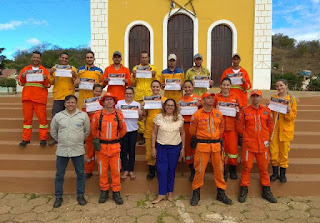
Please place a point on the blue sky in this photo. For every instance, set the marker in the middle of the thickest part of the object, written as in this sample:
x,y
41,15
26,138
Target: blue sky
x,y
66,23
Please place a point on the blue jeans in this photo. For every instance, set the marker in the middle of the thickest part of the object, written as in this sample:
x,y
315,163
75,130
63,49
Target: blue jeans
x,y
61,165
128,150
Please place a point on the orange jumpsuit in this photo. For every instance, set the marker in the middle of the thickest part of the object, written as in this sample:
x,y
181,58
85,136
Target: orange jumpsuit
x,y
34,100
256,125
109,155
239,90
189,153
230,134
208,126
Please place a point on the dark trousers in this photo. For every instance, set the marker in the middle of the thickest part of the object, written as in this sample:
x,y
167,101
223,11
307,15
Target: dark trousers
x,y
128,150
58,106
167,161
61,165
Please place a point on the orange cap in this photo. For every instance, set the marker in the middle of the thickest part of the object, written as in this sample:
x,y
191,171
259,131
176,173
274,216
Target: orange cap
x,y
207,94
256,92
108,95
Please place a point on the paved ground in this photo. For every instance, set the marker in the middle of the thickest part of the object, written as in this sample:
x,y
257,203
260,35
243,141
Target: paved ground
x,y
138,208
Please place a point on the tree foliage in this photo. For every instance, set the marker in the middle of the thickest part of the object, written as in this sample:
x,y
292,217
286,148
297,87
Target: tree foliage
x,y
284,42
294,80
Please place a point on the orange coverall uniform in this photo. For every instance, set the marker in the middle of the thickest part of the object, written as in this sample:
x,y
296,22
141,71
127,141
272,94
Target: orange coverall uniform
x,y
109,155
283,134
256,125
230,134
239,90
34,99
208,126
117,89
189,153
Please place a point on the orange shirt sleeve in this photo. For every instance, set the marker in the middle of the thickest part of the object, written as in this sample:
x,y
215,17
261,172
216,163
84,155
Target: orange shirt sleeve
x,y
95,125
270,123
22,80
240,122
193,124
247,84
105,75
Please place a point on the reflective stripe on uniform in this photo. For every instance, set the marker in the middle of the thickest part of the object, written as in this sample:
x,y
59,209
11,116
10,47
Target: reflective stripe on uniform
x,y
189,157
34,85
100,165
232,156
27,126
238,87
200,165
43,126
208,125
247,154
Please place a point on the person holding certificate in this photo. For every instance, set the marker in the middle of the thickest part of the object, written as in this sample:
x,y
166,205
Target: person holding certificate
x,y
239,79
116,76
283,132
228,104
141,78
189,100
172,79
149,114
132,113
198,72
88,76
35,81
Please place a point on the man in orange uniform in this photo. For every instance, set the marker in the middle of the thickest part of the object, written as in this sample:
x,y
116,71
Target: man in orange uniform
x,y
207,125
109,126
34,99
117,68
256,125
238,89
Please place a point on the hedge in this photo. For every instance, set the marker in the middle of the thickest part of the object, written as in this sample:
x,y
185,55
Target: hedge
x,y
8,82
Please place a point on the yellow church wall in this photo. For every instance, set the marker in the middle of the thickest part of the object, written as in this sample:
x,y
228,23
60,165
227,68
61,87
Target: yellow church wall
x,y
122,12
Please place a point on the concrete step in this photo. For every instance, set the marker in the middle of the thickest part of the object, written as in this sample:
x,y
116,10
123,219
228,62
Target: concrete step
x,y
14,123
309,100
17,99
306,138
308,107
307,114
16,112
307,125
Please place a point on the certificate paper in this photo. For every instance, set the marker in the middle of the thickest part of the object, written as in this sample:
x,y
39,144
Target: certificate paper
x,y
228,108
173,84
86,83
152,102
236,78
130,111
201,81
116,79
188,108
34,76
144,72
279,105
92,104
63,71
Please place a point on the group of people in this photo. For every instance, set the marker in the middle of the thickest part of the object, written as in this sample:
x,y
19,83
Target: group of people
x,y
186,122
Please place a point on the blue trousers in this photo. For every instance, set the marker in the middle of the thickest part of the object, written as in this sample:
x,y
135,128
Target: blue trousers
x,y
167,161
61,165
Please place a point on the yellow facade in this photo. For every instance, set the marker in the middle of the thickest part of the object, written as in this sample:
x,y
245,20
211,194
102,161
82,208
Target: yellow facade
x,y
241,13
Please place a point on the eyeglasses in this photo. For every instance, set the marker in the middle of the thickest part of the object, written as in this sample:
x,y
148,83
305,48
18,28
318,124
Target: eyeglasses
x,y
128,93
170,105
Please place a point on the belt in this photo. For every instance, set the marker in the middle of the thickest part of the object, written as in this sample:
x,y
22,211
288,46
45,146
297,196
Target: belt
x,y
110,142
208,140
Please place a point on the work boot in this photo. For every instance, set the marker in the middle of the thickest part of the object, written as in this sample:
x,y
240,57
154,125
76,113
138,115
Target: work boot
x,y
152,172
81,200
52,142
192,172
88,175
43,143
24,143
243,194
117,198
283,177
225,173
142,140
275,175
266,194
221,196
57,203
195,197
103,196
233,172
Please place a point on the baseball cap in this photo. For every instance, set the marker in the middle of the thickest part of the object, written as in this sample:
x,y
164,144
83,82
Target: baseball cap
x,y
236,54
198,55
108,95
256,92
117,53
207,94
172,56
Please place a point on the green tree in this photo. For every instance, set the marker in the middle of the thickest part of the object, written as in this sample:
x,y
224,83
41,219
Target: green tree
x,y
284,42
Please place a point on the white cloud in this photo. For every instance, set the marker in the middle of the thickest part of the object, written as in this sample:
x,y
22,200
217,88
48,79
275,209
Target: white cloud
x,y
12,25
33,41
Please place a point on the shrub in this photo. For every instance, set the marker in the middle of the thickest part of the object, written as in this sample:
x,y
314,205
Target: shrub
x,y
314,84
8,82
294,80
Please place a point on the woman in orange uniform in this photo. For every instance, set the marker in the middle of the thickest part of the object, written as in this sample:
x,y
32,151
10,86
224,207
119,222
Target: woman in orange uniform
x,y
230,135
189,97
282,133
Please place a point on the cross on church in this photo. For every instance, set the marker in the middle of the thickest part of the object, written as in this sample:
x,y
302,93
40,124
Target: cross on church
x,y
172,6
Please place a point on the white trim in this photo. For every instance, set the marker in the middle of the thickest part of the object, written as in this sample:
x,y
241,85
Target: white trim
x,y
126,41
165,33
234,38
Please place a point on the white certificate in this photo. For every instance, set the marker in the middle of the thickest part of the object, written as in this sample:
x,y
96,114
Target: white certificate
x,y
173,84
228,108
201,82
144,74
188,108
116,79
86,83
278,105
63,71
93,106
236,78
130,111
152,102
34,76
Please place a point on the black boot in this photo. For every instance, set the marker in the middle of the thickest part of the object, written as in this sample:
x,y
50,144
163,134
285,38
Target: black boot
x,y
275,175
142,140
283,177
195,197
117,198
81,200
233,172
243,194
266,194
221,196
57,203
24,143
192,172
103,196
152,172
225,173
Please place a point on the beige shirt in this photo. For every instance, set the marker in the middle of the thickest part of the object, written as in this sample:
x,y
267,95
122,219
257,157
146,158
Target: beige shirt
x,y
168,131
